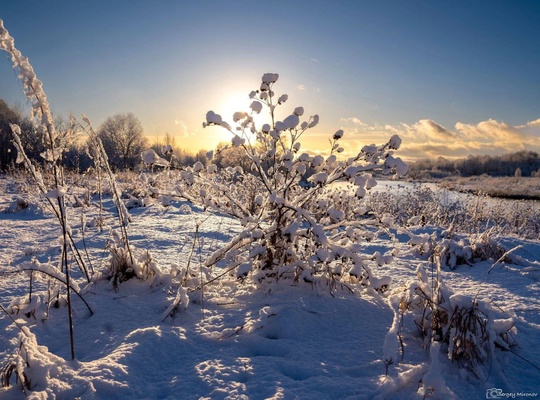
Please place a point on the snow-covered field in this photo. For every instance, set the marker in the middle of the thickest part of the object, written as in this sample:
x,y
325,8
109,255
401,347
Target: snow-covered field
x,y
234,341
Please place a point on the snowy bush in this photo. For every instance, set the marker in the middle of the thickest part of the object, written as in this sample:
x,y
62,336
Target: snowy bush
x,y
124,264
19,204
39,373
466,330
468,250
306,233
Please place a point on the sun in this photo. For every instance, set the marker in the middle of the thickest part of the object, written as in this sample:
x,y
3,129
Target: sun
x,y
240,101
227,105
234,102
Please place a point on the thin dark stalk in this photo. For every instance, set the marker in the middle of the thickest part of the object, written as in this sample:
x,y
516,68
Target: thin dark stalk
x,y
63,221
524,359
78,257
60,280
30,293
68,298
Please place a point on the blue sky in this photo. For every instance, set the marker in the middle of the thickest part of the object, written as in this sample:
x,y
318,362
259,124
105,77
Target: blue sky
x,y
452,78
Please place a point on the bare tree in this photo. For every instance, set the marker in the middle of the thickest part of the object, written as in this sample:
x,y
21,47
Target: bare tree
x,y
123,140
30,136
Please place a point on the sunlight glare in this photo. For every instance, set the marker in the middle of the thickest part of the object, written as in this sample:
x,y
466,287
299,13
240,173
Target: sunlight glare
x,y
239,101
233,103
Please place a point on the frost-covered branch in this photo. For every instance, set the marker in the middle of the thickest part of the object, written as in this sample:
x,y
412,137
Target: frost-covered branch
x,y
296,224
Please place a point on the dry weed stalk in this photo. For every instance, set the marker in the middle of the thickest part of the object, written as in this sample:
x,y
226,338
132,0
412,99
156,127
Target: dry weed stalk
x,y
55,192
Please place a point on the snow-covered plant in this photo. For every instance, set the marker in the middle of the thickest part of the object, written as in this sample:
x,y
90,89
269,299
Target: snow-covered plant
x,y
466,330
452,250
17,205
101,162
37,305
16,366
185,278
282,237
150,158
53,189
96,155
124,265
417,205
39,373
467,250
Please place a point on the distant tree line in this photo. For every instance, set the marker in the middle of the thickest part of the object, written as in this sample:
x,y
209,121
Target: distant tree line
x,y
521,163
122,136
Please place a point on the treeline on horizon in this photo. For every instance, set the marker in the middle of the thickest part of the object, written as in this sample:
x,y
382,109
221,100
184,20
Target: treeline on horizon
x,y
123,139
521,163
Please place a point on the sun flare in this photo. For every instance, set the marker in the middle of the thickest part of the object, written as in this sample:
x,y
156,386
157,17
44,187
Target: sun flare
x,y
233,103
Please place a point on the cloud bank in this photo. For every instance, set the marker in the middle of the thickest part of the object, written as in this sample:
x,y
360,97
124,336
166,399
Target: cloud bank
x,y
429,139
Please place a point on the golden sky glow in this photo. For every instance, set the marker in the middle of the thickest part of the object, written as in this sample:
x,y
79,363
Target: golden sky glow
x,y
373,69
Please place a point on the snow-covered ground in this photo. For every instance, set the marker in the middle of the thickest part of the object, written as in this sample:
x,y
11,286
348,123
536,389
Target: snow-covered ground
x,y
285,342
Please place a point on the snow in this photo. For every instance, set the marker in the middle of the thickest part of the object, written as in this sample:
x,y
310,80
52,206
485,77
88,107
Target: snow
x,y
150,157
292,342
317,161
56,193
239,115
319,178
395,142
256,106
237,141
338,134
291,121
269,78
215,119
314,121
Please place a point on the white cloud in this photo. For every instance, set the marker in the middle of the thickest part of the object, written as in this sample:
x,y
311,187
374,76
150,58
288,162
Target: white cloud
x,y
432,130
353,120
492,131
301,87
428,139
183,127
533,123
